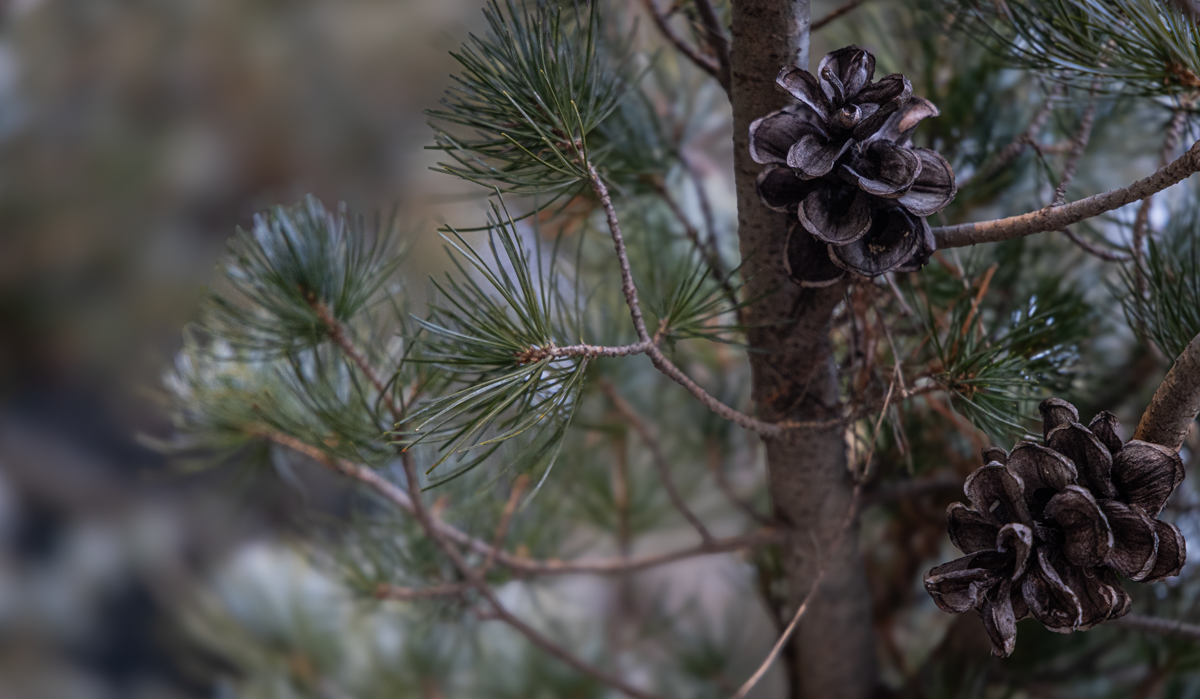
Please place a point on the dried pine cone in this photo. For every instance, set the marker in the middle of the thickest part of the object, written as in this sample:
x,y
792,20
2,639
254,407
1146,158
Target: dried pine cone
x,y
1052,527
842,161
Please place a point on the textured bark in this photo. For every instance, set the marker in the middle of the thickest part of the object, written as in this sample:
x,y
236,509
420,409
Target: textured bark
x,y
1176,402
794,377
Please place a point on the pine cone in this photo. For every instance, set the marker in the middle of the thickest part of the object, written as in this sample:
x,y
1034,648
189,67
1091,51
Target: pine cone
x,y
842,161
1052,527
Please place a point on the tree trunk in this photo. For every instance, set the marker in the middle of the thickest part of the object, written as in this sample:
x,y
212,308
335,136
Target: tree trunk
x,y
794,377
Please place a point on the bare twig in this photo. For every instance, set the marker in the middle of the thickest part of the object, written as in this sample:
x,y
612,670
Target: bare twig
x,y
835,14
1141,224
337,333
639,324
1024,140
409,594
707,248
1093,249
1059,217
1157,625
663,23
660,460
1078,145
522,564
1176,402
754,679
717,39
510,507
710,222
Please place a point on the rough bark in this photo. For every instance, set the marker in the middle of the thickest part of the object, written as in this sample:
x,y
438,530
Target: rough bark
x,y
794,377
1176,402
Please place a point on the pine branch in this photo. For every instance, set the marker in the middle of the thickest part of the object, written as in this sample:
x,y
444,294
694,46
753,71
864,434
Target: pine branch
x,y
1093,249
1176,402
520,564
339,336
1157,625
1057,218
660,460
702,62
1077,146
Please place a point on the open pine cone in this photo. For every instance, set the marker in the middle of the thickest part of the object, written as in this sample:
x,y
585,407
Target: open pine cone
x,y
1053,528
842,161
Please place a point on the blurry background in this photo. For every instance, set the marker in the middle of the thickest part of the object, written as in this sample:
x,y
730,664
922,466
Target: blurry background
x,y
134,136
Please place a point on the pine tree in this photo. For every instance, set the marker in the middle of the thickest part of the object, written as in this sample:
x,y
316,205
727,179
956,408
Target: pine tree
x,y
628,367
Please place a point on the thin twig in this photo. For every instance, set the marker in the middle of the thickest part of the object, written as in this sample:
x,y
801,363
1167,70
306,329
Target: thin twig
x,y
1157,625
473,576
717,39
711,257
1024,140
660,460
1059,217
754,679
1078,145
639,324
337,333
522,564
1141,224
1093,249
410,594
510,507
843,10
663,23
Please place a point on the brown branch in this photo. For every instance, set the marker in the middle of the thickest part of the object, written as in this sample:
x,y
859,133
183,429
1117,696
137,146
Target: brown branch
x,y
706,248
1175,403
1157,625
1059,217
1093,249
663,23
537,354
639,324
522,564
337,333
660,460
429,525
843,10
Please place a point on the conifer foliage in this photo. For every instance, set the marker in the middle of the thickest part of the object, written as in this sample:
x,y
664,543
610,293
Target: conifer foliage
x,y
548,433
